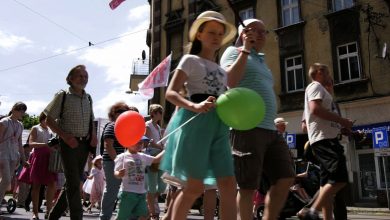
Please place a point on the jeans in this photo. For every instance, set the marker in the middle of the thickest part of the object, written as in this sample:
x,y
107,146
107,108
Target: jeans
x,y
73,161
111,190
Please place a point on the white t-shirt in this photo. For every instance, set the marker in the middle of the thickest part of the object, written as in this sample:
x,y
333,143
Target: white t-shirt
x,y
204,76
134,178
318,128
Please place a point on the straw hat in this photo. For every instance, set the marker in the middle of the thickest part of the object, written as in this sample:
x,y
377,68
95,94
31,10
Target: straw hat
x,y
280,121
230,30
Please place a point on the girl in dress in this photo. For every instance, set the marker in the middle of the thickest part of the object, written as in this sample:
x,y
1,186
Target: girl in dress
x,y
39,172
97,177
199,153
11,148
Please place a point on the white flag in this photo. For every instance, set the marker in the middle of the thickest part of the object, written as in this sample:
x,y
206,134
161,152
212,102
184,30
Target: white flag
x,y
157,78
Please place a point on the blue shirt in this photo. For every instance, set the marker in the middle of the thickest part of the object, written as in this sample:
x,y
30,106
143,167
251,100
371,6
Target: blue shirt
x,y
257,77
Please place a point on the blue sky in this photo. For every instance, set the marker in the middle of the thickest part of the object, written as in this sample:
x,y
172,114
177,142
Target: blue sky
x,y
31,30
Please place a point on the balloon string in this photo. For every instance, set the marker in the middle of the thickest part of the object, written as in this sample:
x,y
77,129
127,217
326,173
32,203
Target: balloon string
x,y
166,136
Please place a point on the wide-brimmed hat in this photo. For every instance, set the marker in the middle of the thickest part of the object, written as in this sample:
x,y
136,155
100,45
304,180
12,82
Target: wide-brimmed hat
x,y
247,22
230,30
280,121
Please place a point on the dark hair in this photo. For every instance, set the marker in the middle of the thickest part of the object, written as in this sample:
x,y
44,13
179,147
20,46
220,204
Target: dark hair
x,y
73,71
19,106
42,117
117,106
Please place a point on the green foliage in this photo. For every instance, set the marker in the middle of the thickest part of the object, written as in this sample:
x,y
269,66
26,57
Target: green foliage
x,y
29,121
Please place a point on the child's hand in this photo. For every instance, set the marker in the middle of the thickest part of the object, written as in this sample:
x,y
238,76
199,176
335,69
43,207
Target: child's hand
x,y
120,173
206,105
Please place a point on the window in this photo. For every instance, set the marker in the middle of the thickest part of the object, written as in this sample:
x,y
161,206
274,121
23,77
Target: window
x,y
290,12
348,62
294,73
246,13
342,4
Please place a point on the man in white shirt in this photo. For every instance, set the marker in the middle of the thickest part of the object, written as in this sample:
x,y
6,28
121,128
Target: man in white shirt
x,y
323,126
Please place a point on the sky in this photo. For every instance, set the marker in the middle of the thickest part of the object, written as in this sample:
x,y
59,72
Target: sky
x,y
41,40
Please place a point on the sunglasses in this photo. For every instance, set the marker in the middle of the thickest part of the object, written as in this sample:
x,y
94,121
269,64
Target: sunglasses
x,y
120,111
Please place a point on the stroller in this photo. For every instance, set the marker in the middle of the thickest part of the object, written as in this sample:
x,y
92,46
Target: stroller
x,y
294,201
10,204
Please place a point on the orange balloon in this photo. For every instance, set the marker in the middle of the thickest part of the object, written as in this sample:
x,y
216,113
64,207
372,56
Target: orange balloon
x,y
129,128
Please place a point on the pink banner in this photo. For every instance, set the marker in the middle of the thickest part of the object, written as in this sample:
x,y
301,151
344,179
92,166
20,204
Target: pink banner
x,y
157,78
115,3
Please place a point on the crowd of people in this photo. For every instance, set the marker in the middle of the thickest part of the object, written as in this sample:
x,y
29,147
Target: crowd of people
x,y
197,159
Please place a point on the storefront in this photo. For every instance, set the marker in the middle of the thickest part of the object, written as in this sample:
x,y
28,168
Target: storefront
x,y
370,166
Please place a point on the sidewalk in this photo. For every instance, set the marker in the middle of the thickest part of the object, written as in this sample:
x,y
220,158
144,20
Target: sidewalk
x,y
366,210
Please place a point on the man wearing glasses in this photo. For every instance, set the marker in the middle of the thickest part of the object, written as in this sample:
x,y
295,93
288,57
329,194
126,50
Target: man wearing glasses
x,y
70,116
264,150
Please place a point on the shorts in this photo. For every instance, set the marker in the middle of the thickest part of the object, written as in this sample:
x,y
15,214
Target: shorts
x,y
260,150
330,155
131,205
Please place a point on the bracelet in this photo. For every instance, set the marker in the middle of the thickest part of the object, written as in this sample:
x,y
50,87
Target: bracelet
x,y
245,51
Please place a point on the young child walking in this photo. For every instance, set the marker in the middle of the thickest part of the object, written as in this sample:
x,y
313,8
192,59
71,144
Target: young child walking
x,y
98,182
130,167
199,153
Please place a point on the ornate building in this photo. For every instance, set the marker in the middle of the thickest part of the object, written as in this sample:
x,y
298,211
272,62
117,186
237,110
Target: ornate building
x,y
351,36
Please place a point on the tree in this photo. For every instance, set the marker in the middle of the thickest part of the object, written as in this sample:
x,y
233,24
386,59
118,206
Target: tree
x,y
29,121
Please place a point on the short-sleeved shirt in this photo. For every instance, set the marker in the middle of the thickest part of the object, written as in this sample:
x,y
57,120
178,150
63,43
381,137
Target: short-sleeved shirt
x,y
204,76
77,112
257,77
135,164
108,133
318,128
10,139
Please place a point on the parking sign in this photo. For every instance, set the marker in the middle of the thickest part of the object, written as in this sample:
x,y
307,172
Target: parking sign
x,y
290,139
380,138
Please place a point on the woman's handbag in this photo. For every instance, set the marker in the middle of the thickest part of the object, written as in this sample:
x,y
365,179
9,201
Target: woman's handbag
x,y
55,162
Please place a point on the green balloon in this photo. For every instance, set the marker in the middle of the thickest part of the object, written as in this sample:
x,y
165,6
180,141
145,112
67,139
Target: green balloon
x,y
240,108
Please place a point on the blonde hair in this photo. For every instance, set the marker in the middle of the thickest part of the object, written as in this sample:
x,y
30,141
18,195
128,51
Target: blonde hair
x,y
317,67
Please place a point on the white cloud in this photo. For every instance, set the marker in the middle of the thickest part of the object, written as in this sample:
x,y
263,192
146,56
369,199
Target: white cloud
x,y
116,95
10,41
139,13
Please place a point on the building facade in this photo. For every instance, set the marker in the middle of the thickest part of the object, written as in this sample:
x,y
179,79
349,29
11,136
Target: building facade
x,y
350,36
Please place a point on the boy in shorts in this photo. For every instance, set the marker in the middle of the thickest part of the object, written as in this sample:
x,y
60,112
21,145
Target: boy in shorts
x,y
130,167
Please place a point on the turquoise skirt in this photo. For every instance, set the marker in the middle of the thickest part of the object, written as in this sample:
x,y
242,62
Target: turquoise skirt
x,y
198,150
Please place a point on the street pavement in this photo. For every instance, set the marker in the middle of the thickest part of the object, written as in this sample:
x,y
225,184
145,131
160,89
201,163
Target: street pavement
x,y
354,214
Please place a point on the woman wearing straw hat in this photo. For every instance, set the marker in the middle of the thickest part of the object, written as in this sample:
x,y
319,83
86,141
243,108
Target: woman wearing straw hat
x,y
199,153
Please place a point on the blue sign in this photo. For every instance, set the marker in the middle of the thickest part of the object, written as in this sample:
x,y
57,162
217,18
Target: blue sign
x,y
380,138
291,140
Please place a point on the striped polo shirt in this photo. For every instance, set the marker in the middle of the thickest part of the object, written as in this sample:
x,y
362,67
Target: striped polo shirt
x,y
257,77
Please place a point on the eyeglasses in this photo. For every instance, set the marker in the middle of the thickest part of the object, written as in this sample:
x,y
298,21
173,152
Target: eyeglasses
x,y
120,111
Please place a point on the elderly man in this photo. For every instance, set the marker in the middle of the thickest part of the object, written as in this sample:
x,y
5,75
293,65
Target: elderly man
x,y
70,116
263,149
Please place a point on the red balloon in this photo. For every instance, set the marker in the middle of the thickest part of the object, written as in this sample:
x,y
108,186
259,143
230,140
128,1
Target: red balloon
x,y
129,128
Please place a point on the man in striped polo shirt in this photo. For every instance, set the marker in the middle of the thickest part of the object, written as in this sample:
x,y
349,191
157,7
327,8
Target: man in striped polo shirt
x,y
261,149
